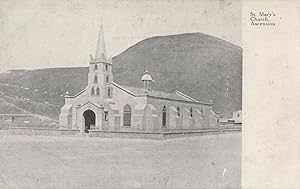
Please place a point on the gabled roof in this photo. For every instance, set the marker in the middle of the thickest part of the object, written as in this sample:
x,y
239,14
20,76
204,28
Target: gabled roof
x,y
131,92
138,92
185,95
93,103
73,96
177,95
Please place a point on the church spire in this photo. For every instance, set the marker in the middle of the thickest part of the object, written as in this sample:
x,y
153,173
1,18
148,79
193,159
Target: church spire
x,y
101,50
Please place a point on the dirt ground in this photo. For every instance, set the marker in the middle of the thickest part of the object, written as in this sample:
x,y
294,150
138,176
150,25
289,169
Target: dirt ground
x,y
46,162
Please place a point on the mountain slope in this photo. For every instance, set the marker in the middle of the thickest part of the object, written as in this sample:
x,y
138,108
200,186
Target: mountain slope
x,y
8,108
199,65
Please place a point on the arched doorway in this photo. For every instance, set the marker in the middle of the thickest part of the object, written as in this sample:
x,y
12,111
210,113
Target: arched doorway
x,y
89,120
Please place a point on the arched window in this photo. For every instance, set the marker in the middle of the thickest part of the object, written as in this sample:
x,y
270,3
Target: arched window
x,y
107,79
106,67
178,111
95,79
191,112
108,92
164,116
106,116
127,116
93,91
96,67
201,111
98,91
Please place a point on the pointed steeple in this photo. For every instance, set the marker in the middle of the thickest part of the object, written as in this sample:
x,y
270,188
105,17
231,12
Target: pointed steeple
x,y
101,50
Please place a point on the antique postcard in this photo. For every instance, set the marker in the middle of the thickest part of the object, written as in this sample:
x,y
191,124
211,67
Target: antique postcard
x,y
147,94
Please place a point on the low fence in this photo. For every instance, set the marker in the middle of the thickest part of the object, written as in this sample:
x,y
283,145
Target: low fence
x,y
163,134
40,131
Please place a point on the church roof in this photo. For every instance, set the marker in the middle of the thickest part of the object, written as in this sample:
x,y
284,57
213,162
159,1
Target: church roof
x,y
137,91
179,96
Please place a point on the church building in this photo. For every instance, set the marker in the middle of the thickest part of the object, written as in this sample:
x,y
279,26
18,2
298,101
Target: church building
x,y
104,105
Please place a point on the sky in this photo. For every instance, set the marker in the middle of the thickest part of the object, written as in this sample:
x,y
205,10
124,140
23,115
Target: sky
x,y
38,34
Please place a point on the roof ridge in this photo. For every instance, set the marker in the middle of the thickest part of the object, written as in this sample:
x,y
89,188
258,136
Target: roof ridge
x,y
144,89
79,93
185,95
158,94
124,88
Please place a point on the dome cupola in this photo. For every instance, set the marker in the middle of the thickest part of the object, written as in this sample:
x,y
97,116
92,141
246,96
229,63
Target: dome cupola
x,y
147,81
146,76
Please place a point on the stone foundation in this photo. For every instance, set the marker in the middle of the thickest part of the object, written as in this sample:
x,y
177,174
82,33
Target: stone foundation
x,y
157,135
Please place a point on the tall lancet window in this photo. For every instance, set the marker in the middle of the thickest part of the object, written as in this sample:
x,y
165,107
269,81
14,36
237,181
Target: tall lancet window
x,y
98,91
96,67
178,111
107,79
106,67
164,116
93,91
127,116
108,92
95,79
191,112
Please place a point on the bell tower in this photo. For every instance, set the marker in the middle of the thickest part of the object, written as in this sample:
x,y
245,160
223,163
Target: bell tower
x,y
100,71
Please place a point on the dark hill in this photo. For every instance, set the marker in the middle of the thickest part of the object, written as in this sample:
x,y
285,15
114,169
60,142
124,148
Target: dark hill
x,y
199,65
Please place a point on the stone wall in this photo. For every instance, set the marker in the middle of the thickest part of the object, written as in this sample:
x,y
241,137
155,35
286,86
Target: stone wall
x,y
137,104
40,131
163,134
202,114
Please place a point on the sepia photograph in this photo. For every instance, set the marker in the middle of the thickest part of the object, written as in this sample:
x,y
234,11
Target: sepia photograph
x,y
120,94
